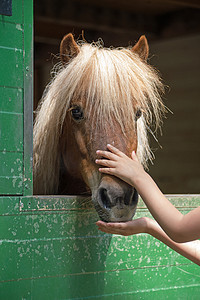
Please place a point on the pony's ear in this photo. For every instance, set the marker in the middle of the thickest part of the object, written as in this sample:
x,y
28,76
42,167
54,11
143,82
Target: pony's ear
x,y
68,48
141,48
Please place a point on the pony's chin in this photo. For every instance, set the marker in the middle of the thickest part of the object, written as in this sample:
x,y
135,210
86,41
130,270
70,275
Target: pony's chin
x,y
114,216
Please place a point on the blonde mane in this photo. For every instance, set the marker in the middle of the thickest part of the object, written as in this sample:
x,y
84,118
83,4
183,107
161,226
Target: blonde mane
x,y
113,82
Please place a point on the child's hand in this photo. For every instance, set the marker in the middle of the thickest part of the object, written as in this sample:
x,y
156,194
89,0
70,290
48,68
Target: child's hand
x,y
127,228
120,165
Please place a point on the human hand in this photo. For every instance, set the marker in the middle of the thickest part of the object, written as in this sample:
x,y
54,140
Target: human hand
x,y
140,225
118,164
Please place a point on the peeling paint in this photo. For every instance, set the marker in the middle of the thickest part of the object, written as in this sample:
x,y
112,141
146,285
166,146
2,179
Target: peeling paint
x,y
19,27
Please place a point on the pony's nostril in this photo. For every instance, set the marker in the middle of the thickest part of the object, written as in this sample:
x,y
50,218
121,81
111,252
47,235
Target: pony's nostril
x,y
131,197
105,198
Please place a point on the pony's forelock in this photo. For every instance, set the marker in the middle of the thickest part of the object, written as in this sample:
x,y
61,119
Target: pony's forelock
x,y
114,83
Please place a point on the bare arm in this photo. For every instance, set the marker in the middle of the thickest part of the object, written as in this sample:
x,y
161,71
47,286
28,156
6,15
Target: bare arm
x,y
180,228
190,250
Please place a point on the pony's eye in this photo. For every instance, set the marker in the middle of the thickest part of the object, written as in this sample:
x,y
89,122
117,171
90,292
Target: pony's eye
x,y
138,114
77,113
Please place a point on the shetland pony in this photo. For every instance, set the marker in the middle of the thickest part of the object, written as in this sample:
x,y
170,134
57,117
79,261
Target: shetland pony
x,y
97,96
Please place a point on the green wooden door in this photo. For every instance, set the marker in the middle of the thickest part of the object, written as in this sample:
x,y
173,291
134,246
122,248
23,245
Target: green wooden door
x,y
16,99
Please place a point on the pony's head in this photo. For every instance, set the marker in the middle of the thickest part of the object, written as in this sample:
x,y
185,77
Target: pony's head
x,y
98,96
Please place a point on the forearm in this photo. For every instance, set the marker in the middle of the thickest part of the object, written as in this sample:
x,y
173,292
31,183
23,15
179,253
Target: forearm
x,y
159,206
190,250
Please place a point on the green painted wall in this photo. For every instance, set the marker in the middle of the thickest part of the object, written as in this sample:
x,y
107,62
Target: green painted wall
x,y
51,249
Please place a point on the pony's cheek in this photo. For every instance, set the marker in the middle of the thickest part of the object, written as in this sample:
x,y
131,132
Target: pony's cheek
x,y
81,143
90,174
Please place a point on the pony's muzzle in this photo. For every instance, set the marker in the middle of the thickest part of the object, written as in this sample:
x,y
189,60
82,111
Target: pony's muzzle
x,y
116,204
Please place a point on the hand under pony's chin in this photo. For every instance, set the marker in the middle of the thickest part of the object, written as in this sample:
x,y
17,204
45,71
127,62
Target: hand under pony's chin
x,y
141,225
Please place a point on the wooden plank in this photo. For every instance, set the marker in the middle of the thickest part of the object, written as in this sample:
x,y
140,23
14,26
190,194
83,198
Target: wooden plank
x,y
9,205
11,170
12,67
11,164
76,253
11,135
11,100
120,284
80,254
79,203
176,167
176,52
11,35
126,284
11,185
28,96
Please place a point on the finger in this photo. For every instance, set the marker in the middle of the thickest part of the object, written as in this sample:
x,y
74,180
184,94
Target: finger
x,y
107,226
110,225
117,228
106,154
108,229
134,156
115,150
105,162
100,223
110,171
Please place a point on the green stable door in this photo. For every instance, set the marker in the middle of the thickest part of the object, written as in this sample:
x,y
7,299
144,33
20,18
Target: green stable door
x,y
50,248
